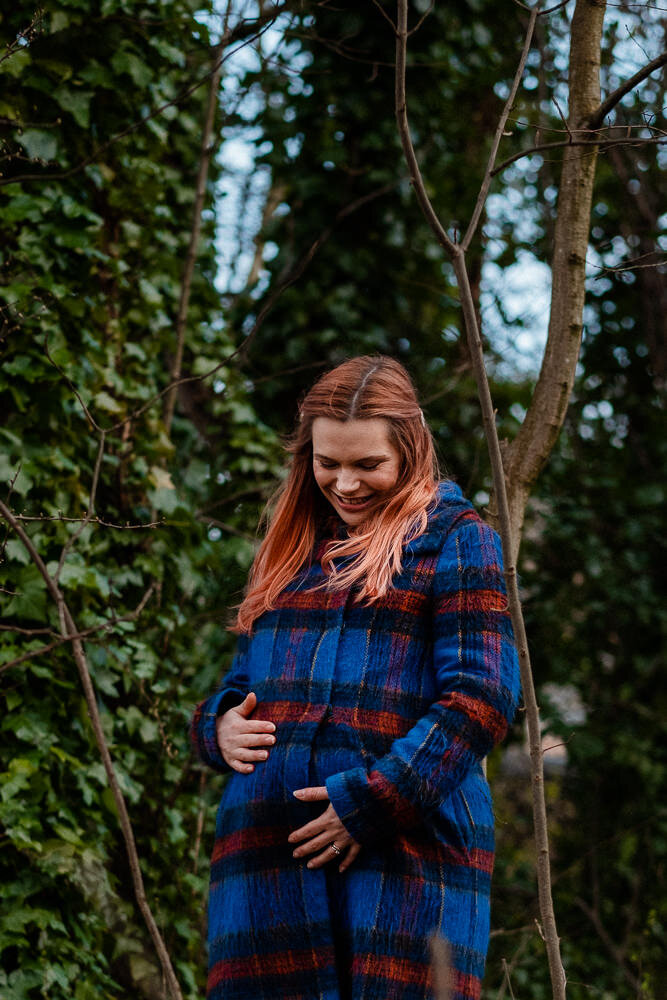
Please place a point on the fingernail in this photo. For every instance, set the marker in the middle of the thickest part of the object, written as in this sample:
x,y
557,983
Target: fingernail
x,y
298,793
264,755
310,865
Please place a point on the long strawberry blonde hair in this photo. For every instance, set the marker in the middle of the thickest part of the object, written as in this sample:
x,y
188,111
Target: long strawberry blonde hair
x,y
359,389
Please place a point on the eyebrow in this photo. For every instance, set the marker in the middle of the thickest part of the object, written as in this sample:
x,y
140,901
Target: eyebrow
x,y
364,458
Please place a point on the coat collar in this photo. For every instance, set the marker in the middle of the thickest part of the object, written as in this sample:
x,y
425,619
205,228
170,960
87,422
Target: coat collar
x,y
449,506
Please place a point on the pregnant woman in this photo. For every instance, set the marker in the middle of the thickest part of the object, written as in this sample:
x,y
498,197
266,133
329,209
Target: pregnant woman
x,y
375,669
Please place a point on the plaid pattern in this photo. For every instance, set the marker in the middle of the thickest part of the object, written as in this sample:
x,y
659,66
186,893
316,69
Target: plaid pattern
x,y
392,706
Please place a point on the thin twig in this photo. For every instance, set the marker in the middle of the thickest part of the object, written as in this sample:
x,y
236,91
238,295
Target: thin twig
x,y
69,631
556,6
86,633
617,95
26,631
659,140
89,513
201,815
422,18
385,14
404,132
564,120
74,389
206,152
507,979
594,917
509,103
518,952
457,257
93,520
23,37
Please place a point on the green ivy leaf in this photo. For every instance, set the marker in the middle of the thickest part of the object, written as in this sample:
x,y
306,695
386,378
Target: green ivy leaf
x,y
39,145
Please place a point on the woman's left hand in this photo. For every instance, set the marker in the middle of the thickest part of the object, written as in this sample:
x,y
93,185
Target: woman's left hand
x,y
323,832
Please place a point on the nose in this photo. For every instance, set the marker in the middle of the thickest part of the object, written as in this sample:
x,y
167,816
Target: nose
x,y
347,481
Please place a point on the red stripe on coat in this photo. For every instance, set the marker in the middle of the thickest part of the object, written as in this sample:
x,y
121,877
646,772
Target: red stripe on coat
x,y
276,963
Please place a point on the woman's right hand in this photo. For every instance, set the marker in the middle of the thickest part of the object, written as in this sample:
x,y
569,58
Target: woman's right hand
x,y
240,737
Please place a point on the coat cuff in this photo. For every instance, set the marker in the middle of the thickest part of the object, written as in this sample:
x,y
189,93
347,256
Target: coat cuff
x,y
369,806
203,731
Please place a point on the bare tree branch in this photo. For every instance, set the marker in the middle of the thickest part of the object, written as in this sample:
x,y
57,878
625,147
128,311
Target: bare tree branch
x,y
406,139
195,230
292,274
615,952
617,95
385,14
656,140
23,37
509,103
91,520
421,20
457,256
89,513
93,423
87,633
70,632
46,630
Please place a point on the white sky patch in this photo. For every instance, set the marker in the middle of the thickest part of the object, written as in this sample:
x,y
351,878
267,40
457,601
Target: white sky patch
x,y
515,311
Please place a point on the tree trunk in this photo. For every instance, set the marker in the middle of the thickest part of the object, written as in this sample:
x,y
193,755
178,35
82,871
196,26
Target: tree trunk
x,y
528,453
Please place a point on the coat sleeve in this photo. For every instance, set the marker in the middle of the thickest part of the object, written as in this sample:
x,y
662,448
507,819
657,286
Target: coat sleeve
x,y
476,672
232,691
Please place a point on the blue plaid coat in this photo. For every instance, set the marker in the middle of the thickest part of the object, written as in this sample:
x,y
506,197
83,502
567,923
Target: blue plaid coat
x,y
392,706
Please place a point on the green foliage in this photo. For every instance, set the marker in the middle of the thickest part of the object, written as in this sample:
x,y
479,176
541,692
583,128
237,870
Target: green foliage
x,y
93,244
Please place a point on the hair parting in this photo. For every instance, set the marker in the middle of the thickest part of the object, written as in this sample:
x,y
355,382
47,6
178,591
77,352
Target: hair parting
x,y
361,388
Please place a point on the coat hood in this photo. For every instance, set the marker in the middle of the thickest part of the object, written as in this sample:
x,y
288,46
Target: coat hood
x,y
450,505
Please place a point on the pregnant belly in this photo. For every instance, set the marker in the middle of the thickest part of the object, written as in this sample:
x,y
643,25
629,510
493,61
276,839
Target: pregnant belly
x,y
302,756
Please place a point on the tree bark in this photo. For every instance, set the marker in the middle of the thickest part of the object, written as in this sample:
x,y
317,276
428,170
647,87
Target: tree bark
x,y
528,453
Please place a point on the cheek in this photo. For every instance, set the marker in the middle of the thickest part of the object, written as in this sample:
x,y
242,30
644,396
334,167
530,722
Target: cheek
x,y
321,476
386,479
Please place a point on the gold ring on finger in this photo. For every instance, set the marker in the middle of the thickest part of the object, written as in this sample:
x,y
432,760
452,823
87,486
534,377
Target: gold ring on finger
x,y
334,848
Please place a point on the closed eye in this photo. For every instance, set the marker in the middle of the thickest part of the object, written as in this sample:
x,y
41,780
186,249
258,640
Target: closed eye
x,y
366,466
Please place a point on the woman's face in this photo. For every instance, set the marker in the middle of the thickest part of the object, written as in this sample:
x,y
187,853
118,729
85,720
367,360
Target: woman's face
x,y
355,464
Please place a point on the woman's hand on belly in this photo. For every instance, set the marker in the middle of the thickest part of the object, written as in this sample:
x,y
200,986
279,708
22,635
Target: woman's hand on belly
x,y
240,738
326,832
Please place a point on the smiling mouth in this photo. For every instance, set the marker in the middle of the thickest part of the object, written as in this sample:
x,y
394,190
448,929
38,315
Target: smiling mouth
x,y
353,501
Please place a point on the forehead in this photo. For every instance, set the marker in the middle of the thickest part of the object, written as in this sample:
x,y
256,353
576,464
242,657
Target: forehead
x,y
352,439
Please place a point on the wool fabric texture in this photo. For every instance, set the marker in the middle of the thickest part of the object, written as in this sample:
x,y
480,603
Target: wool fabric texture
x,y
392,706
